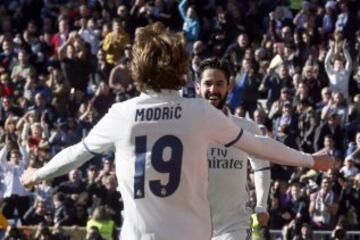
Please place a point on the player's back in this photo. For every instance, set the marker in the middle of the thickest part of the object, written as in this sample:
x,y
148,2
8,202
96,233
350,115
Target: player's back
x,y
162,168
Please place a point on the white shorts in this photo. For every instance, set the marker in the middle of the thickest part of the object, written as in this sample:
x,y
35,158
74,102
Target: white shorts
x,y
238,235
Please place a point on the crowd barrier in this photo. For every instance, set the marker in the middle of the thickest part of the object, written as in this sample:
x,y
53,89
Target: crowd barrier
x,y
318,235
79,233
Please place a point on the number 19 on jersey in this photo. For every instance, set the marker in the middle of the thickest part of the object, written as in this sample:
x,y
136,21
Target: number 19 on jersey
x,y
171,166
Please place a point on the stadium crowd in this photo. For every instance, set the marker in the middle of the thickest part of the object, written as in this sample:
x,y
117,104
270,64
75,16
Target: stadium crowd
x,y
295,71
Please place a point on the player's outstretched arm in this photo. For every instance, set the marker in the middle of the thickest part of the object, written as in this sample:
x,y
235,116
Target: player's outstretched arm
x,y
276,152
100,138
68,159
322,160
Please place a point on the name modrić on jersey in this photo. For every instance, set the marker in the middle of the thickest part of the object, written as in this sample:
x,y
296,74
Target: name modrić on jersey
x,y
158,113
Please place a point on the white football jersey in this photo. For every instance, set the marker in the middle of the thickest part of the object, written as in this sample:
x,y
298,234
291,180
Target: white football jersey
x,y
161,141
228,193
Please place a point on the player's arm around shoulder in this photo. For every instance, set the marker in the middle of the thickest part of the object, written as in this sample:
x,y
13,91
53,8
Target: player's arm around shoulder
x,y
246,124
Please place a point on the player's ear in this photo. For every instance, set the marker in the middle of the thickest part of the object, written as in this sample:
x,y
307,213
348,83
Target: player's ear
x,y
197,87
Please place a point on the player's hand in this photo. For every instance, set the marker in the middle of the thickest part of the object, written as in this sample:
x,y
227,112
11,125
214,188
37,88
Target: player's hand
x,y
27,178
263,218
322,161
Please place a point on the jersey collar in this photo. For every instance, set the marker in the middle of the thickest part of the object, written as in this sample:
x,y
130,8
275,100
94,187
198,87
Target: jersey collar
x,y
226,111
162,93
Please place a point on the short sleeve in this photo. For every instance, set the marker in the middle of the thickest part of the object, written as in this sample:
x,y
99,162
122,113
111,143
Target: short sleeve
x,y
220,128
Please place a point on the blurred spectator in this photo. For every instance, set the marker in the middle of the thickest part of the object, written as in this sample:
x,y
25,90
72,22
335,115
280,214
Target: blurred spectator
x,y
44,192
357,55
16,197
60,89
22,69
329,146
110,197
276,107
90,34
279,215
124,17
337,104
160,12
75,62
302,92
120,81
114,43
299,204
6,86
339,233
92,233
328,19
9,109
261,118
74,185
274,83
102,70
286,126
278,19
103,99
139,15
355,199
305,233
291,230
191,25
38,213
339,73
323,206
236,51
344,21
38,136
330,127
12,232
7,56
326,99
64,214
9,132
87,119
65,133
349,170
353,124
61,36
102,221
353,151
43,233
307,124
245,92
347,213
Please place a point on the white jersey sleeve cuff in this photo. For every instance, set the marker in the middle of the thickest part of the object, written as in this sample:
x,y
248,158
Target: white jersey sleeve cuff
x,y
260,209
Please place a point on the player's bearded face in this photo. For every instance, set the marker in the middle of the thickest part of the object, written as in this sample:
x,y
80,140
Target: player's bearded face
x,y
216,99
214,87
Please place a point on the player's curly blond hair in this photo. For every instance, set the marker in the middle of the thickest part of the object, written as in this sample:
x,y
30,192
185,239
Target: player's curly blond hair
x,y
159,60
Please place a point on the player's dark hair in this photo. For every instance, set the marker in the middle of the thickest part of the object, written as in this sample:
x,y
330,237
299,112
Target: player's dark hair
x,y
214,63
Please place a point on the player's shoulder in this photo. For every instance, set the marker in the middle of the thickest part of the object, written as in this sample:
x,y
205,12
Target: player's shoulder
x,y
199,104
198,100
122,108
246,124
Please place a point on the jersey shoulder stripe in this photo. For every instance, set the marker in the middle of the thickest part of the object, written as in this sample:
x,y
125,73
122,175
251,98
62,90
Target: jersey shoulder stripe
x,y
236,139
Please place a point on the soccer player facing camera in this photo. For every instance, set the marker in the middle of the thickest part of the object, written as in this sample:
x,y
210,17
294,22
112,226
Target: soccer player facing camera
x,y
228,193
161,141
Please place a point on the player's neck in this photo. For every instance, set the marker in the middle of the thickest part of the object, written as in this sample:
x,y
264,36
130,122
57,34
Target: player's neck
x,y
226,110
